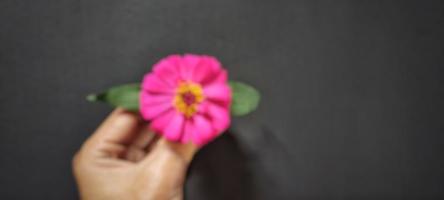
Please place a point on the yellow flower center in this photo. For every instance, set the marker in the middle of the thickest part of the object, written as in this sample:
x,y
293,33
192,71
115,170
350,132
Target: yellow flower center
x,y
188,96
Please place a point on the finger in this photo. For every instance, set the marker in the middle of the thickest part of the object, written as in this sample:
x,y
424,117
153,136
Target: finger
x,y
166,165
138,148
112,163
174,152
120,127
114,134
145,137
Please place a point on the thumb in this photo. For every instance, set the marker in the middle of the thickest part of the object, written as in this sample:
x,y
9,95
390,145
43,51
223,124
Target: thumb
x,y
166,166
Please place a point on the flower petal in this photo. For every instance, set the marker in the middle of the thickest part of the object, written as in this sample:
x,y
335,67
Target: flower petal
x,y
152,111
152,99
170,63
220,117
184,70
218,92
207,70
170,78
168,69
174,129
188,131
160,122
189,63
203,132
221,78
200,72
152,83
214,63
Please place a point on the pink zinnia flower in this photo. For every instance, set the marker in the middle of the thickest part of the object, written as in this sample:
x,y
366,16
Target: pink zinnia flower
x,y
187,98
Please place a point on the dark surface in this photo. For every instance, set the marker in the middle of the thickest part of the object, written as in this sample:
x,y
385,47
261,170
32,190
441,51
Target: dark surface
x,y
352,92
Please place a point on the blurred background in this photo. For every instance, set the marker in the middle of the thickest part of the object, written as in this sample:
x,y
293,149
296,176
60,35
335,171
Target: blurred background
x,y
352,103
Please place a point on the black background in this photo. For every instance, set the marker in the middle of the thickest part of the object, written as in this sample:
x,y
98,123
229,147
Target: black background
x,y
352,91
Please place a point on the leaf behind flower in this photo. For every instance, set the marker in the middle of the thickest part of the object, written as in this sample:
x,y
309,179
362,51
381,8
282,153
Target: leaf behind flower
x,y
245,98
125,96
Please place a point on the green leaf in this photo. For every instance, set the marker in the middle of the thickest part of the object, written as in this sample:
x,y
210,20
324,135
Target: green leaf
x,y
125,96
245,98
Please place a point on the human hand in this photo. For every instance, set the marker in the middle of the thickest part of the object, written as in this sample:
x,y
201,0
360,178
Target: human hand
x,y
124,160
